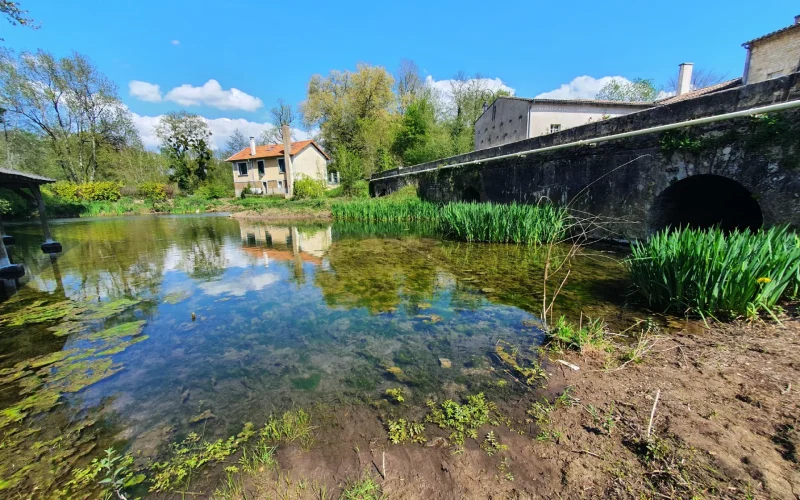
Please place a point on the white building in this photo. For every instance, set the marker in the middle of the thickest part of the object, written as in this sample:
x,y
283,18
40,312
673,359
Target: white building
x,y
511,119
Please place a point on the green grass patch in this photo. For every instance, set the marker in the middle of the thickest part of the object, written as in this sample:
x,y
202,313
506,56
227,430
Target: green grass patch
x,y
565,336
714,273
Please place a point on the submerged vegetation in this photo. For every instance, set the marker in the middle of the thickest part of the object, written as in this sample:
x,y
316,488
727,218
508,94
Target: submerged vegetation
x,y
715,273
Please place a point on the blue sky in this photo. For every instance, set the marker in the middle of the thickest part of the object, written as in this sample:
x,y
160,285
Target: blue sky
x,y
269,50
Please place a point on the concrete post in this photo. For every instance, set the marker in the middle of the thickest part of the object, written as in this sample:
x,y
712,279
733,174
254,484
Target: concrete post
x,y
287,159
684,78
49,246
8,271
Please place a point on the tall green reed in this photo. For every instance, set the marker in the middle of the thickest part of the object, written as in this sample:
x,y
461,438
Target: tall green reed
x,y
714,273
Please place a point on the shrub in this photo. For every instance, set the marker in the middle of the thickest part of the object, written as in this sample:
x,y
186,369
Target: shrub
x,y
213,192
711,272
152,191
128,191
89,191
171,190
13,204
309,188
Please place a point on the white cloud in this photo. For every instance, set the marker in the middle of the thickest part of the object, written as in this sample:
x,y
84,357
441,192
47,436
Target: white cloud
x,y
239,286
445,87
582,87
175,42
212,94
221,129
144,91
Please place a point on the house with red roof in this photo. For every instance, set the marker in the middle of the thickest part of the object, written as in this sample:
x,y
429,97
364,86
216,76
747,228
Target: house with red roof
x,y
263,169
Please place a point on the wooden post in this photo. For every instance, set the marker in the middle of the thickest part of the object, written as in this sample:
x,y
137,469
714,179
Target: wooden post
x,y
49,246
8,271
7,240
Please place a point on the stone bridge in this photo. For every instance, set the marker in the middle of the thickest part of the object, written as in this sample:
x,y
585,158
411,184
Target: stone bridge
x,y
739,172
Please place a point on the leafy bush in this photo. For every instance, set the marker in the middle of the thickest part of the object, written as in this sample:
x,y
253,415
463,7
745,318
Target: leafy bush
x,y
13,204
213,192
711,272
152,191
309,188
170,190
128,191
90,191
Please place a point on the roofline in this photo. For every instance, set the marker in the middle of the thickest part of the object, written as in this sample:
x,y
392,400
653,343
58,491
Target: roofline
x,y
590,102
770,35
310,142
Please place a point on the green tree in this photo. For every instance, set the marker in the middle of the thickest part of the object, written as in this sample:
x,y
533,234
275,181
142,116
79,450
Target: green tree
x,y
69,102
185,142
351,170
15,15
639,90
235,143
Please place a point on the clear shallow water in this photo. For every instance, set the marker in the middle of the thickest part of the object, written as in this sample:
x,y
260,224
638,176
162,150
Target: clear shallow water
x,y
284,316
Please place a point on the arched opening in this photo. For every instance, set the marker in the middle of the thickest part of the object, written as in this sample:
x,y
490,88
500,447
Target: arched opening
x,y
471,195
704,201
382,193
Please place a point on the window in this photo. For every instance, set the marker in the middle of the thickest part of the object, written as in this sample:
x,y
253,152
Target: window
x,y
555,127
242,168
260,167
281,165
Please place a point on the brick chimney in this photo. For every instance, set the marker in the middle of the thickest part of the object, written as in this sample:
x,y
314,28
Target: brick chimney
x,y
252,146
684,78
287,158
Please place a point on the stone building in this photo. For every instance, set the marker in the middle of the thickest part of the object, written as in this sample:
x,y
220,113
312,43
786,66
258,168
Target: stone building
x,y
773,55
511,119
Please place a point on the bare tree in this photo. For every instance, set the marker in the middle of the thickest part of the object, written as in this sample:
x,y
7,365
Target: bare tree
x,y
701,78
408,84
282,114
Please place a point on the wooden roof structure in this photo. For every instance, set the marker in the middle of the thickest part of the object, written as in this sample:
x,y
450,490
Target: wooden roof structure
x,y
16,179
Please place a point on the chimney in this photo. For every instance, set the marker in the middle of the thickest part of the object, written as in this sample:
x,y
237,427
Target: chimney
x,y
684,78
252,146
287,158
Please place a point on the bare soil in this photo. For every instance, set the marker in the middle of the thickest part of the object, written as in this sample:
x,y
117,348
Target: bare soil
x,y
727,425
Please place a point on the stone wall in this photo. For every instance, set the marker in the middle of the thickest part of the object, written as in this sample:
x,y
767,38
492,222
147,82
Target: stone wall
x,y
622,180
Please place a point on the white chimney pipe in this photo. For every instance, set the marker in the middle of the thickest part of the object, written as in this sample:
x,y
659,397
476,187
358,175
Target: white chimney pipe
x,y
684,78
252,146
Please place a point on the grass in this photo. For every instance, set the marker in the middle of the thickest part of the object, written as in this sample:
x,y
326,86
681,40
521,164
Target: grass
x,y
363,488
480,222
714,273
565,336
293,425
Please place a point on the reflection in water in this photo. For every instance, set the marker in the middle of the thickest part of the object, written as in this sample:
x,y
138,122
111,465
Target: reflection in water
x,y
242,319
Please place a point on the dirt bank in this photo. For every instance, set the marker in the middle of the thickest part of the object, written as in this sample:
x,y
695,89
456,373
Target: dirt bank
x,y
726,426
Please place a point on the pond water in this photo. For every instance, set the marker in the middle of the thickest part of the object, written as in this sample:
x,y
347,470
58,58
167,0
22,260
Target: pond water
x,y
146,326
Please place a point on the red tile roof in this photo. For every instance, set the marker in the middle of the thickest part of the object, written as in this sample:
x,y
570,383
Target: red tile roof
x,y
274,151
701,92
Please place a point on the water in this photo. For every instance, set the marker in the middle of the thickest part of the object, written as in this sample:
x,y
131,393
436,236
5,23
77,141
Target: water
x,y
167,321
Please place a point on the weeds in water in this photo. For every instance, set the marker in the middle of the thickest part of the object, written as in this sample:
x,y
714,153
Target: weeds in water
x,y
395,395
491,444
113,473
363,488
190,455
403,431
530,374
712,272
293,425
462,420
382,210
499,223
566,336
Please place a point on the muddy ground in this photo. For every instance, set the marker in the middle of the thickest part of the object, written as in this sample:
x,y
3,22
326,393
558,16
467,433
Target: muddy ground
x,y
727,425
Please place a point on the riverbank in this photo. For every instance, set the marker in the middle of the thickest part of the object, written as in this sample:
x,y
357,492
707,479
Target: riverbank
x,y
726,425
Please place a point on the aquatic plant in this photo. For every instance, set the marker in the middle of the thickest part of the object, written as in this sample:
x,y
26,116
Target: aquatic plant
x,y
293,425
190,455
463,420
564,335
113,474
403,431
395,394
500,223
529,374
383,210
713,272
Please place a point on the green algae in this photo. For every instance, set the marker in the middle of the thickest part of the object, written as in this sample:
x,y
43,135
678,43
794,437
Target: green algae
x,y
308,383
176,297
40,312
129,329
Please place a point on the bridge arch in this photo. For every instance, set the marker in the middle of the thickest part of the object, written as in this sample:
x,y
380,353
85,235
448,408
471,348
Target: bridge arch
x,y
704,201
470,194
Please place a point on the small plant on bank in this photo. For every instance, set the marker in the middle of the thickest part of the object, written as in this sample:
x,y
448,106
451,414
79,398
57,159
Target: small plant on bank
x,y
566,336
491,444
293,425
395,395
363,488
716,273
113,473
462,420
402,431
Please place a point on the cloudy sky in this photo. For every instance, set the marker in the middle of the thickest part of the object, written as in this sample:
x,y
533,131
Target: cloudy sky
x,y
231,61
